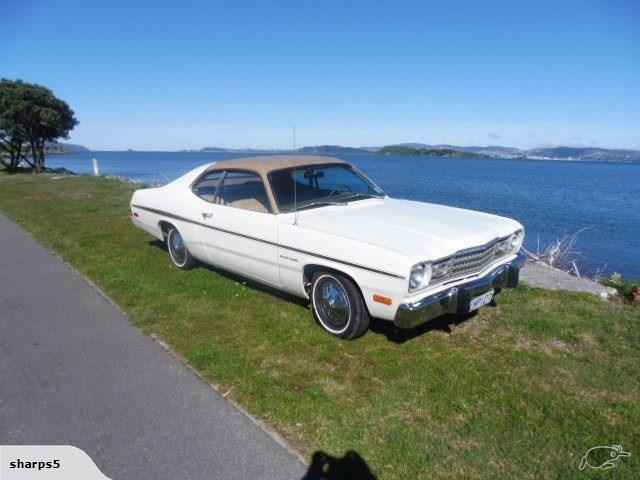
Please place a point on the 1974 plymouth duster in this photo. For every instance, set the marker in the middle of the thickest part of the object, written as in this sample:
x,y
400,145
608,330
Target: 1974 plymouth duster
x,y
318,228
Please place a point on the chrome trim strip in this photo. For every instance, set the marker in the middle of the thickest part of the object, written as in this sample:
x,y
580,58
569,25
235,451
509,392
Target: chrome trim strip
x,y
293,249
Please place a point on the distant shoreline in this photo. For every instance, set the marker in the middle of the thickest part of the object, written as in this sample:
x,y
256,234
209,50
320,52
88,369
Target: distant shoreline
x,y
577,154
425,150
432,154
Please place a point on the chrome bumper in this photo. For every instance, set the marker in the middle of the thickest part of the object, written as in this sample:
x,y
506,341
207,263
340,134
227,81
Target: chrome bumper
x,y
456,299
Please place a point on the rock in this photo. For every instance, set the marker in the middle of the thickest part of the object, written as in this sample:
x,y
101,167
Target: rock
x,y
540,275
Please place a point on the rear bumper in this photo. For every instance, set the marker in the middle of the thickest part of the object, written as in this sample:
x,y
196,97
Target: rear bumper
x,y
455,300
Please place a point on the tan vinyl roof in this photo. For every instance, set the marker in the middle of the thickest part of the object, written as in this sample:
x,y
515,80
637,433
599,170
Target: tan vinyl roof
x,y
267,163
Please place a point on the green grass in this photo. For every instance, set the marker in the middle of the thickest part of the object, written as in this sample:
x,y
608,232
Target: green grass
x,y
522,390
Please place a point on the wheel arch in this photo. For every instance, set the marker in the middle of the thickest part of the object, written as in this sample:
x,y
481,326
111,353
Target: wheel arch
x,y
310,269
165,226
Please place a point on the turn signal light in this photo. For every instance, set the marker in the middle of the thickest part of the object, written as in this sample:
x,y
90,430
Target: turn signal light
x,y
382,299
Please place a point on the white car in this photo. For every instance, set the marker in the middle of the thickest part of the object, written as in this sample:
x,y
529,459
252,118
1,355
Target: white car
x,y
318,228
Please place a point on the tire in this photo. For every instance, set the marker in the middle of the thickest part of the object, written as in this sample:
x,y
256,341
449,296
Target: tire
x,y
180,255
338,305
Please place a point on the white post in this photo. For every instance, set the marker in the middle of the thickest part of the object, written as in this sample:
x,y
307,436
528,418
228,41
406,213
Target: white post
x,y
96,172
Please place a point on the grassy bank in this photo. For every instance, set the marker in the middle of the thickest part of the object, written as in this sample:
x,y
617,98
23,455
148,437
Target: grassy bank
x,y
522,390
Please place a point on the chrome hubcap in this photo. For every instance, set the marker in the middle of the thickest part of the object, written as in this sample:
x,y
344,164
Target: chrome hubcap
x,y
333,304
178,250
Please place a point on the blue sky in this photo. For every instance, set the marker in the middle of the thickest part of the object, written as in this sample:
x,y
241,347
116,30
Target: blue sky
x,y
172,75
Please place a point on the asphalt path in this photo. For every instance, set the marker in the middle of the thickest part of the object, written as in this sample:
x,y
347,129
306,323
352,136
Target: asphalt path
x,y
75,371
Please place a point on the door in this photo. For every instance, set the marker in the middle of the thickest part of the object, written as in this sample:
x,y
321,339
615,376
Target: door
x,y
239,228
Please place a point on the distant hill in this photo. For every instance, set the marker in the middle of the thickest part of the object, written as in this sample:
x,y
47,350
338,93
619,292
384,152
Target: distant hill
x,y
57,147
332,150
408,150
444,150
492,150
559,153
485,151
550,153
311,150
585,153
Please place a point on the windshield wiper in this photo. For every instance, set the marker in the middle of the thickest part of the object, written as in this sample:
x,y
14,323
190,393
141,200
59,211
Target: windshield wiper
x,y
357,196
319,204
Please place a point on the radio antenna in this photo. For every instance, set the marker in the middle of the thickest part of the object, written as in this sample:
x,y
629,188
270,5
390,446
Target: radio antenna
x,y
295,183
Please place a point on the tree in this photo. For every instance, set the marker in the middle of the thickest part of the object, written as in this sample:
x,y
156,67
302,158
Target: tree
x,y
11,135
31,114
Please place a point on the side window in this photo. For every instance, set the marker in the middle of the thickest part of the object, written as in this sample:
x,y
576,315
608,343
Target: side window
x,y
244,190
207,186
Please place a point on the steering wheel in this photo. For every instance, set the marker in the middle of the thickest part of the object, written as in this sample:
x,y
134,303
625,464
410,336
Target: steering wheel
x,y
340,189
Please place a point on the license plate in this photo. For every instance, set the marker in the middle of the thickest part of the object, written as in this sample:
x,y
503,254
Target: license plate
x,y
480,300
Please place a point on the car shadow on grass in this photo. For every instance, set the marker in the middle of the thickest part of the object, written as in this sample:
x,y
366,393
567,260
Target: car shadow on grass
x,y
327,467
241,280
402,335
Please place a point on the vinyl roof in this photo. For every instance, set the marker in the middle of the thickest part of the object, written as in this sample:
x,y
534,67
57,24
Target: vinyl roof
x,y
267,163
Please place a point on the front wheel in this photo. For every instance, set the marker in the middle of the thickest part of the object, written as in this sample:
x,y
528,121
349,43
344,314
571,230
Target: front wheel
x,y
180,255
338,305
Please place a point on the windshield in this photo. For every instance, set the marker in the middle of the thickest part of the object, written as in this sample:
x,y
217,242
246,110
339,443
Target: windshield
x,y
320,185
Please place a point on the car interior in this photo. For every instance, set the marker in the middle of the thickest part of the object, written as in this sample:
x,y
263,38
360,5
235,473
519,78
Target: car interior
x,y
242,190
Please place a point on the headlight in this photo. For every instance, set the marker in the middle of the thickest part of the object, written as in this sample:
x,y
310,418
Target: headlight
x,y
420,276
515,241
510,244
504,246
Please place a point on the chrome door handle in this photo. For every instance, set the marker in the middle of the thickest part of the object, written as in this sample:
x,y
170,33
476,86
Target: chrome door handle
x,y
206,215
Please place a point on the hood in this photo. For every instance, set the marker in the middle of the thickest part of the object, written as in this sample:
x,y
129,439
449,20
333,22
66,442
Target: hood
x,y
422,231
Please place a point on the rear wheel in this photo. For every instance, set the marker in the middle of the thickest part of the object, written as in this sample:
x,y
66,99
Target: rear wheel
x,y
178,251
338,305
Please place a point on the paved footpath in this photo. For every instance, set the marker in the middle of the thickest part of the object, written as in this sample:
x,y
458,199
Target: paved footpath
x,y
75,371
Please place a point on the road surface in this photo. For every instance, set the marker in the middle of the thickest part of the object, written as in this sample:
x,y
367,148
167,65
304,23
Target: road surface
x,y
75,371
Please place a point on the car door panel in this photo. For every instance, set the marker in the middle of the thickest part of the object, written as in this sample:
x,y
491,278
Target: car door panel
x,y
243,241
239,234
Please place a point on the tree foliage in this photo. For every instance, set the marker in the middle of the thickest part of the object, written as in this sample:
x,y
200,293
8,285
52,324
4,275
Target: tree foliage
x,y
30,116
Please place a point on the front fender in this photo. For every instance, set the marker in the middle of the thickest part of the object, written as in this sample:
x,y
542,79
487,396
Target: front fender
x,y
375,270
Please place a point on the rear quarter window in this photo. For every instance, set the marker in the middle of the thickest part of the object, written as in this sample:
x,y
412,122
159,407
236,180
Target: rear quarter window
x,y
207,186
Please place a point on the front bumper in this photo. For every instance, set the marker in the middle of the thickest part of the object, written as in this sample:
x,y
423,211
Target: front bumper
x,y
455,300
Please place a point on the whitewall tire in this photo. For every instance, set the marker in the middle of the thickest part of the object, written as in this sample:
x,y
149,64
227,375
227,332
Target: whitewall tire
x,y
178,251
338,305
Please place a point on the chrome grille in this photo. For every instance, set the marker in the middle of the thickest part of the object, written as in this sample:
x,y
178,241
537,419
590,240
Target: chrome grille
x,y
473,260
463,263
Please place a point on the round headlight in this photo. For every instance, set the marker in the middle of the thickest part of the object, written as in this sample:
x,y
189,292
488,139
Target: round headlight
x,y
515,241
420,276
417,275
504,246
